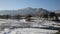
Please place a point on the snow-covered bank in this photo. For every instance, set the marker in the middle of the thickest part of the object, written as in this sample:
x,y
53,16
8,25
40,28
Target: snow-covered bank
x,y
7,23
27,27
28,31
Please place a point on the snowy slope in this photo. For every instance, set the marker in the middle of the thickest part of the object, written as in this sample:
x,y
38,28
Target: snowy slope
x,y
7,23
23,23
28,31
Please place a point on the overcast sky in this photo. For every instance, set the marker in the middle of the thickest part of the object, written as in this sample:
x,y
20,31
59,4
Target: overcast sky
x,y
19,4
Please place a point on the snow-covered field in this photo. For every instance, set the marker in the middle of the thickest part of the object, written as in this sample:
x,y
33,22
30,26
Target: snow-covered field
x,y
5,24
27,31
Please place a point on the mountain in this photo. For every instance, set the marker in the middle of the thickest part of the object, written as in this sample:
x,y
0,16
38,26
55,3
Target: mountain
x,y
57,11
25,11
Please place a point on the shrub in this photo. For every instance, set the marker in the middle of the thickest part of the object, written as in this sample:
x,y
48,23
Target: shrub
x,y
58,32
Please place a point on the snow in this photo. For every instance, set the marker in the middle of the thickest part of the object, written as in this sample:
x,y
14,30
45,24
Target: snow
x,y
36,23
28,31
7,23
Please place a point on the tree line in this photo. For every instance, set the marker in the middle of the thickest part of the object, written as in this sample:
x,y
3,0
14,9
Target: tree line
x,y
51,15
9,17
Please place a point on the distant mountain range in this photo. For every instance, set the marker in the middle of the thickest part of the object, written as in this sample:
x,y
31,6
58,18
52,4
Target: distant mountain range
x,y
25,11
57,11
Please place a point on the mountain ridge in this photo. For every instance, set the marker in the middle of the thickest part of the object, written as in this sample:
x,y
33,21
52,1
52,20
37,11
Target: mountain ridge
x,y
24,11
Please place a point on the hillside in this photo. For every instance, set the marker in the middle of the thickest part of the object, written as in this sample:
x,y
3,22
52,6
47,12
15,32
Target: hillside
x,y
24,11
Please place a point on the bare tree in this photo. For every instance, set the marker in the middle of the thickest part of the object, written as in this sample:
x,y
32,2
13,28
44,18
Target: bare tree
x,y
52,15
28,18
17,17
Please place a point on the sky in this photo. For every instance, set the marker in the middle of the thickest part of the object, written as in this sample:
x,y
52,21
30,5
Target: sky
x,y
20,4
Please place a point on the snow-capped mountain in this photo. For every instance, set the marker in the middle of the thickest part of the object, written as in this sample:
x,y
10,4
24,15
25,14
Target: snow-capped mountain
x,y
57,11
24,11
